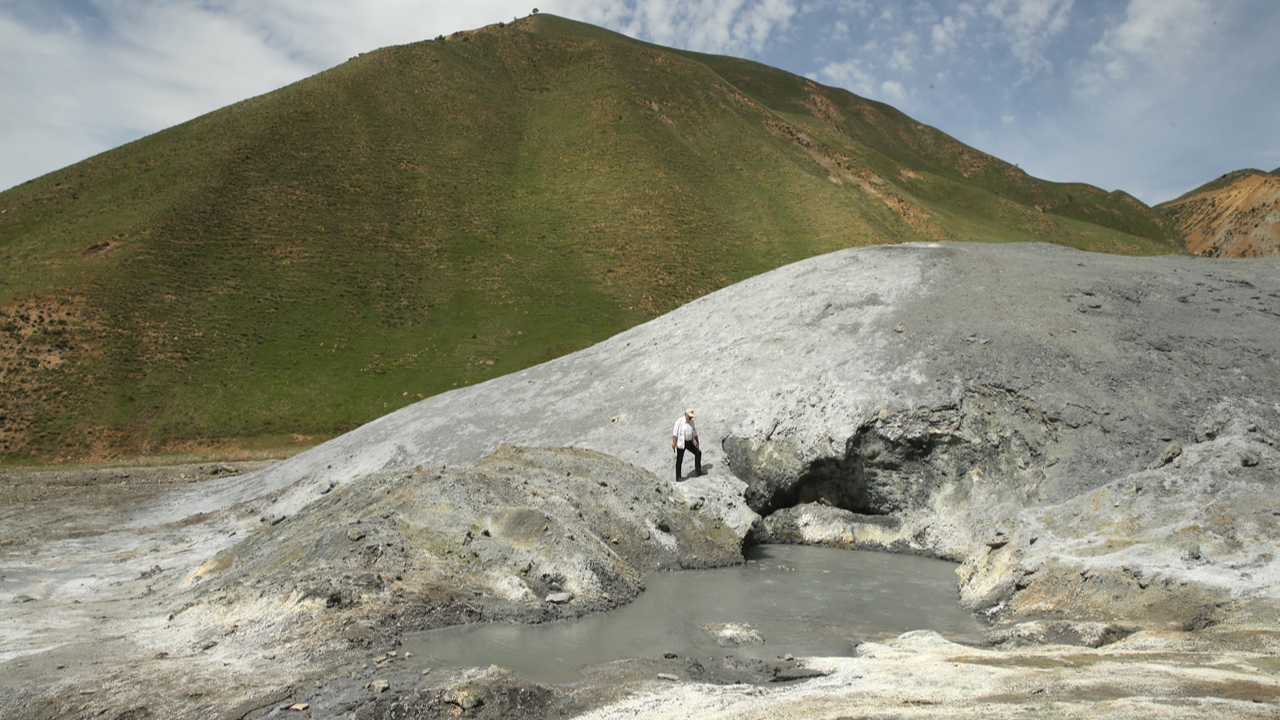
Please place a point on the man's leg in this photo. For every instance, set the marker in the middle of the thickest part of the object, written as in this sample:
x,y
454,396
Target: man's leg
x,y
679,461
697,459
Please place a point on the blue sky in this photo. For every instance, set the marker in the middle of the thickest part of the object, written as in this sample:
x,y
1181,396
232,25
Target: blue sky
x,y
1154,97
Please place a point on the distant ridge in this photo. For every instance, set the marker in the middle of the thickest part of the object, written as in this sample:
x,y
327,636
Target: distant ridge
x,y
432,215
1234,216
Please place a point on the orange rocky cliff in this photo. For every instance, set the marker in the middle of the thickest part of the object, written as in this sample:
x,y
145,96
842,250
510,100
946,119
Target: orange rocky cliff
x,y
1237,220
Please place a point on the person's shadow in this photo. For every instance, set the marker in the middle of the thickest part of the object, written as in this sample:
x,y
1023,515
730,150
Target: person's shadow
x,y
706,469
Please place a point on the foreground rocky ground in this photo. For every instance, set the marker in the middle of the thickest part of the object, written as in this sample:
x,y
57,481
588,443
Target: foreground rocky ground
x,y
1092,438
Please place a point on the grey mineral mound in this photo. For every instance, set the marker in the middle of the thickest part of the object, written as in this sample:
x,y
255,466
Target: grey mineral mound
x,y
1093,437
963,400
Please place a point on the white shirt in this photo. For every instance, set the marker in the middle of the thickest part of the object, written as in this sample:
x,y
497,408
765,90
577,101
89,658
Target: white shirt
x,y
684,431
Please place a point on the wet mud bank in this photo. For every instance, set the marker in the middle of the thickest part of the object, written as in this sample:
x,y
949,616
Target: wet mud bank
x,y
1092,439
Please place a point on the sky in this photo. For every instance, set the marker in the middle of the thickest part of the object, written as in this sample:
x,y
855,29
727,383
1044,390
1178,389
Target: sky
x,y
1153,97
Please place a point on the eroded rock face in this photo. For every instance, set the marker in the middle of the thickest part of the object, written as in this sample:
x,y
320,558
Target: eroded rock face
x,y
1176,543
524,534
904,461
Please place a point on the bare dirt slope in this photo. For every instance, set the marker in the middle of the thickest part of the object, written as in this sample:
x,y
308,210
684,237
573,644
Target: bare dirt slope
x,y
1240,220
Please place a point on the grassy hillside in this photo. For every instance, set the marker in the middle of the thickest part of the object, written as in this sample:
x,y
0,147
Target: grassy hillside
x,y
432,215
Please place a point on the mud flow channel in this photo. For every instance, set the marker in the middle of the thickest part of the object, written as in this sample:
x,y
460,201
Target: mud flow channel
x,y
802,601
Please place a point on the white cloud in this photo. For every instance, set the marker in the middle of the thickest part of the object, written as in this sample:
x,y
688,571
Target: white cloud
x,y
1160,38
760,21
179,60
848,74
893,92
945,34
733,27
903,55
1030,25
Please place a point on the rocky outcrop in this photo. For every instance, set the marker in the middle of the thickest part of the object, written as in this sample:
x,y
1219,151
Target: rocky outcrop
x,y
523,534
1180,543
1236,216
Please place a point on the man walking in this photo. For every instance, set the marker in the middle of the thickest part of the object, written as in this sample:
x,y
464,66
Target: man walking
x,y
685,436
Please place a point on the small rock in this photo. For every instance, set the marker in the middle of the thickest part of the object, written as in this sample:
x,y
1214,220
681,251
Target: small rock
x,y
788,675
466,699
299,707
379,686
668,676
560,598
1171,453
355,534
733,634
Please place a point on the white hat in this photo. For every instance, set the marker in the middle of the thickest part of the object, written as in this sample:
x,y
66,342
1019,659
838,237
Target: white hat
x,y
689,412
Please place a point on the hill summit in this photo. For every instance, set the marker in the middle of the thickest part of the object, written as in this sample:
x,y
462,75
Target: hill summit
x,y
434,215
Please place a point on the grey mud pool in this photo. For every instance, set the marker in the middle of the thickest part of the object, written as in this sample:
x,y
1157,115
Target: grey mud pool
x,y
801,601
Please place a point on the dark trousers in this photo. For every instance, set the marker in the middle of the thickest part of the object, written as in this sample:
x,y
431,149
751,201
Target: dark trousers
x,y
697,458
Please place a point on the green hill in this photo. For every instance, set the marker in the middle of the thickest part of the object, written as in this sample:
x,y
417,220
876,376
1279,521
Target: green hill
x,y
432,215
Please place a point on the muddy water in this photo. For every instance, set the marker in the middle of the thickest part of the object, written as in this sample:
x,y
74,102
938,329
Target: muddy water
x,y
804,601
